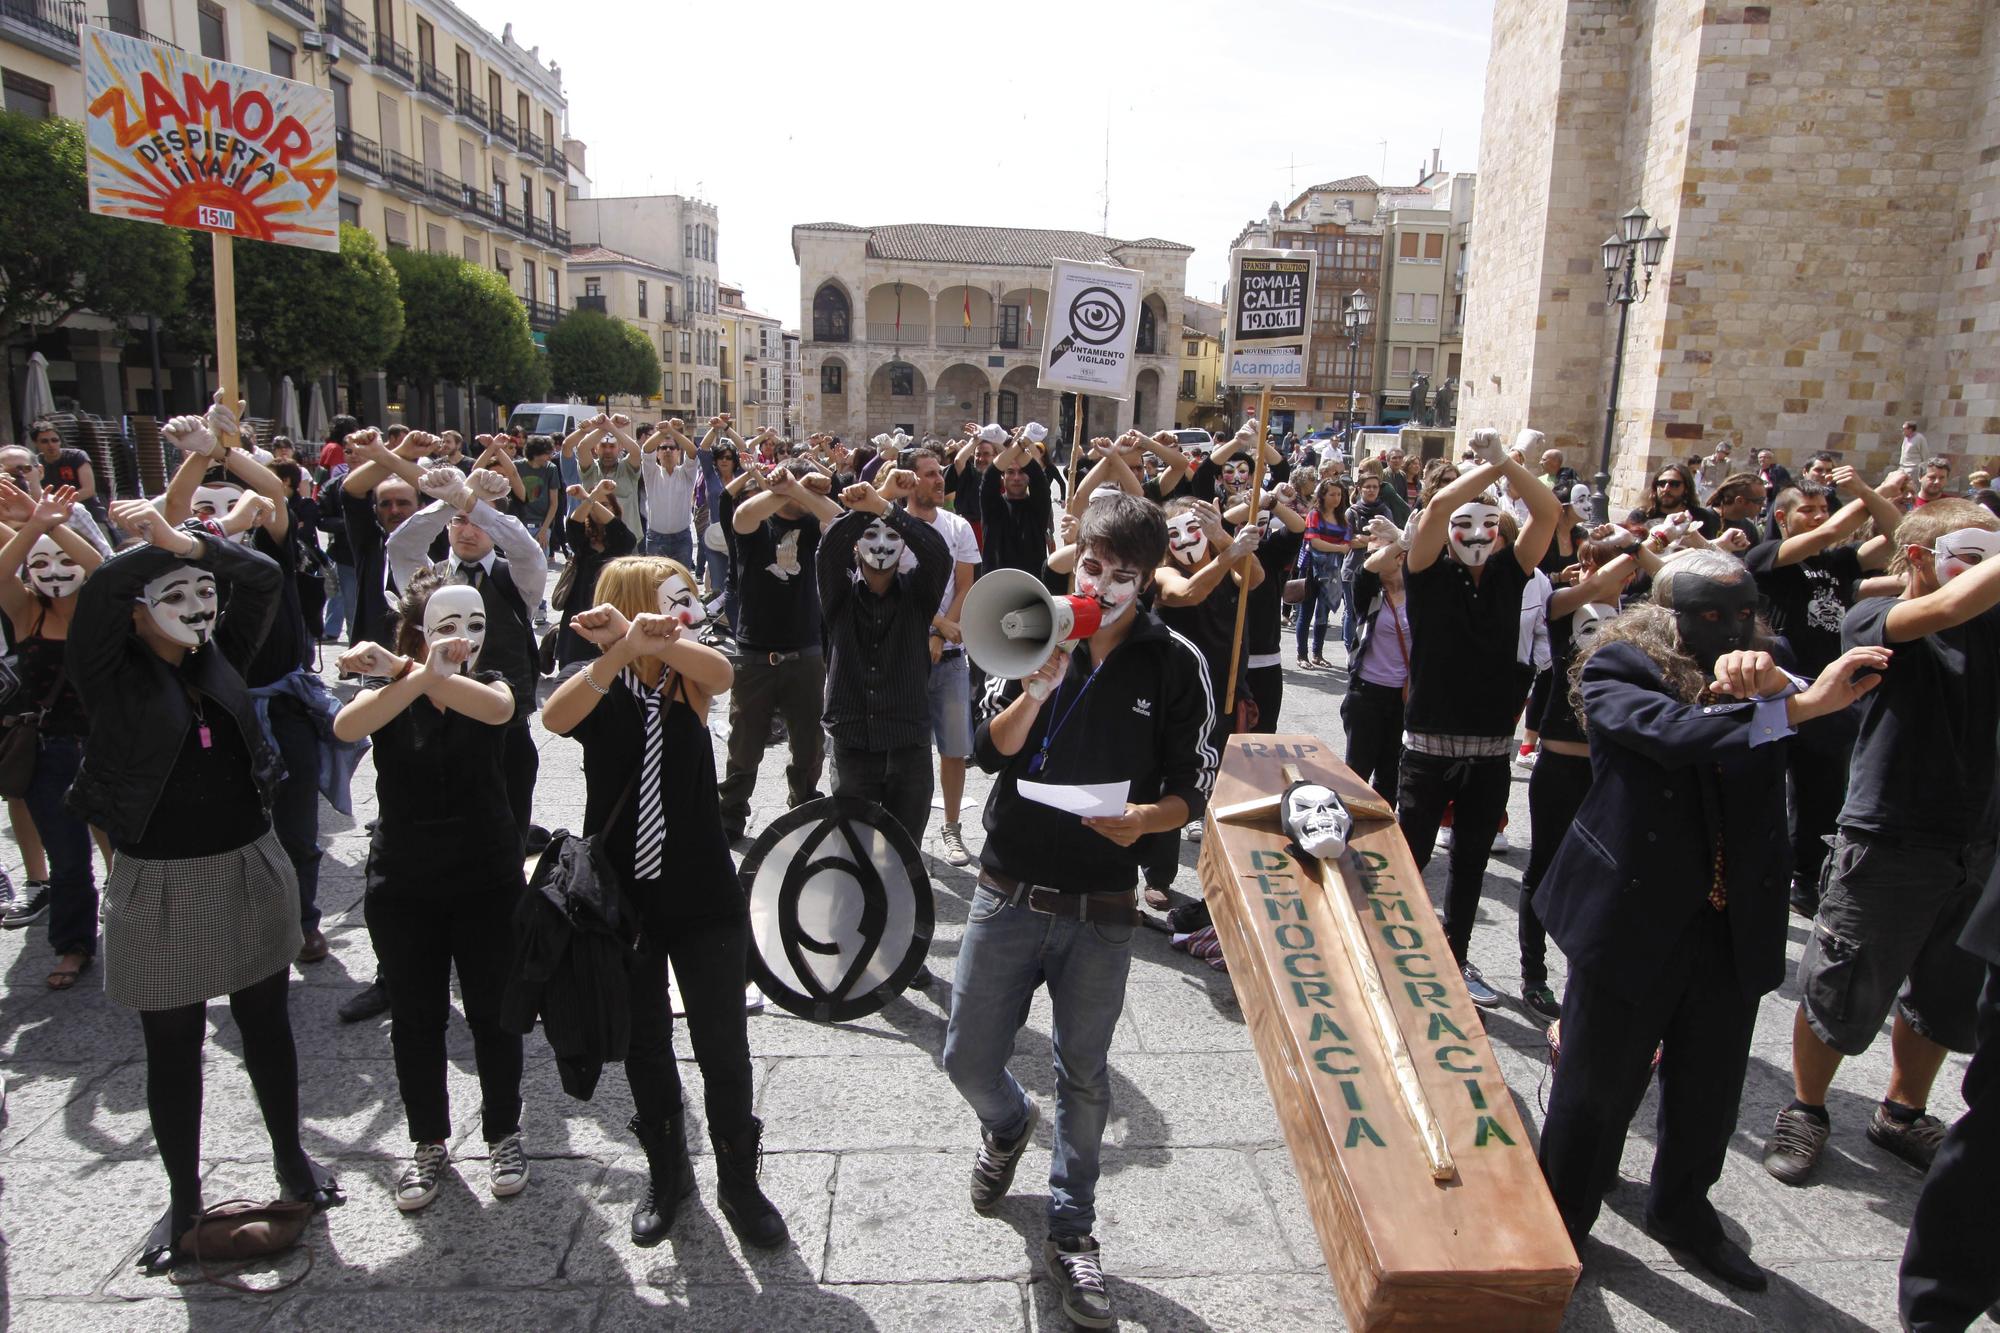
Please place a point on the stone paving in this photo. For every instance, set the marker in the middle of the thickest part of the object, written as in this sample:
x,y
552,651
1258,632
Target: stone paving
x,y
869,1146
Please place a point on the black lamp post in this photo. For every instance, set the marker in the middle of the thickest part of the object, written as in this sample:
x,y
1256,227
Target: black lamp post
x,y
1356,313
1626,252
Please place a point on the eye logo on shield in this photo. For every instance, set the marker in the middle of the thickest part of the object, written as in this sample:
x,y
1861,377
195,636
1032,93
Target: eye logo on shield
x,y
840,909
1096,317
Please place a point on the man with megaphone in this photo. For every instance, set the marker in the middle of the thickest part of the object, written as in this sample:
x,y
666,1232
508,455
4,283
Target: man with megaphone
x,y
1091,691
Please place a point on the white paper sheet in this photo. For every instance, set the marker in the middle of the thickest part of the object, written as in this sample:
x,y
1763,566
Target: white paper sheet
x,y
1086,799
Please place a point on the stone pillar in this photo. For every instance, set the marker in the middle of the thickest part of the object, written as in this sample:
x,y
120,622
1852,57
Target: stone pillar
x,y
374,399
99,381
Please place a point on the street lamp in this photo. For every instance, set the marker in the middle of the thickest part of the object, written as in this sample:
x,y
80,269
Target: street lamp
x,y
1356,312
1627,251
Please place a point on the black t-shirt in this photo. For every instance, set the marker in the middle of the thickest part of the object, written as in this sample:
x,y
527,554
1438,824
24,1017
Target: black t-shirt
x,y
210,803
1466,677
1016,532
1205,480
286,648
778,585
1278,553
1807,601
1558,720
964,486
1923,765
443,796
1210,625
67,469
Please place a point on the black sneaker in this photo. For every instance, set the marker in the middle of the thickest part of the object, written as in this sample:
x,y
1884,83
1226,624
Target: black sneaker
x,y
371,1001
1477,990
1079,1277
993,1173
27,908
1541,1000
1915,1141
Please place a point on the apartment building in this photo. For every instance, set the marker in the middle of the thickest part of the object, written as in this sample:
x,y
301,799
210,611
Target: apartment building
x,y
677,237
753,364
652,300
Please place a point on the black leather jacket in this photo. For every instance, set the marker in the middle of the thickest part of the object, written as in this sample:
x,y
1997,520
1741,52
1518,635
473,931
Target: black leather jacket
x,y
138,708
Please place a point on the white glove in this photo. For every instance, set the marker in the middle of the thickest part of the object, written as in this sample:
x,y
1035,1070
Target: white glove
x,y
191,435
1486,446
1245,542
1382,531
489,485
1673,528
1621,538
224,422
446,484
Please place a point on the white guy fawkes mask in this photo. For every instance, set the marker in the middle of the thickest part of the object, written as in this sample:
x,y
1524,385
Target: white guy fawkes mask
x,y
52,571
881,547
1475,533
1588,621
456,611
1186,541
1316,820
681,602
1955,552
1236,474
182,602
215,502
1116,587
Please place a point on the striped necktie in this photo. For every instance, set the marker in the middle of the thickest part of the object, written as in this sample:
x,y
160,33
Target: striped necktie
x,y
649,832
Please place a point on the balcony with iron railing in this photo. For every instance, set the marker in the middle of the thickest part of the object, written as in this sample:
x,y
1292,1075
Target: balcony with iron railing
x,y
533,145
541,315
472,108
396,58
504,127
514,218
126,28
434,82
45,26
301,10
405,171
445,188
349,29
556,159
357,150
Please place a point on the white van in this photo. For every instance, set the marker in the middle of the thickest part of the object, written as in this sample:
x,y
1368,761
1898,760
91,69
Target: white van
x,y
554,420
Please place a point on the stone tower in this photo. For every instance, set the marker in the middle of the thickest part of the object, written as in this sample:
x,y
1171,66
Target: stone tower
x,y
1830,175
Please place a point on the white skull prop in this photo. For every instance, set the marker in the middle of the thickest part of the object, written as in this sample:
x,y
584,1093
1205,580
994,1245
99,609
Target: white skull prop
x,y
881,547
52,571
1475,533
456,611
182,602
1315,819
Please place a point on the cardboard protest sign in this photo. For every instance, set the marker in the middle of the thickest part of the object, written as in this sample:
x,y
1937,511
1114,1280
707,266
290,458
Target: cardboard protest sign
x,y
185,141
1093,328
1269,325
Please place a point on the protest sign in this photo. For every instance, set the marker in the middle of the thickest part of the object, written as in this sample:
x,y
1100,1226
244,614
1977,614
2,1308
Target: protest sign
x,y
1093,327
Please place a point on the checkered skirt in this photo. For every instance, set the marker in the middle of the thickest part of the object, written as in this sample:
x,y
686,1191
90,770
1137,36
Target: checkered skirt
x,y
182,931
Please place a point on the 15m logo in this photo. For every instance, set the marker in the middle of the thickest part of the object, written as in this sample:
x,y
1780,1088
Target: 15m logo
x,y
222,219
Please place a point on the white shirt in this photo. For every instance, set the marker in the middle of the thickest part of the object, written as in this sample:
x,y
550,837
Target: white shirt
x,y
958,538
408,547
1915,450
669,495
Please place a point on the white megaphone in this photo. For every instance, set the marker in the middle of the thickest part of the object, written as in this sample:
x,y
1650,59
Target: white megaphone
x,y
1012,623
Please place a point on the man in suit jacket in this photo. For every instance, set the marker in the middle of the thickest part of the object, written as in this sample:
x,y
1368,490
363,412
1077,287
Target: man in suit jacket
x,y
1668,895
1777,477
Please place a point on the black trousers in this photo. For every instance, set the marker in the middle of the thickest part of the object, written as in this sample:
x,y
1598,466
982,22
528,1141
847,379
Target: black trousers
x,y
1266,685
1477,791
711,963
1816,762
519,763
1555,793
295,812
419,937
1160,862
1699,1017
1949,1275
793,690
898,780
1373,716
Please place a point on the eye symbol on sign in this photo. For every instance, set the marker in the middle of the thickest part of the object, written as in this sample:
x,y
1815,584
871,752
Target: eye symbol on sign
x,y
1096,317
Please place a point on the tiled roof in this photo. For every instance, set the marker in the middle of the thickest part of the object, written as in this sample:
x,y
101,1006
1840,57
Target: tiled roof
x,y
1351,183
1019,247
604,254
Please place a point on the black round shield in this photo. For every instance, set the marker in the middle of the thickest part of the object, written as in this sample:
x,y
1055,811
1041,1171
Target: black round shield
x,y
840,909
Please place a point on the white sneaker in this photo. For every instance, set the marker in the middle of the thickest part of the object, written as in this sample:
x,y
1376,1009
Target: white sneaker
x,y
1444,837
1500,843
954,845
1526,758
1193,830
421,1178
507,1167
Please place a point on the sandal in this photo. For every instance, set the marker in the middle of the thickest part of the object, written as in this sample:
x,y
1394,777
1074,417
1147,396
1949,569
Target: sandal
x,y
1322,663
1304,665
321,1188
63,976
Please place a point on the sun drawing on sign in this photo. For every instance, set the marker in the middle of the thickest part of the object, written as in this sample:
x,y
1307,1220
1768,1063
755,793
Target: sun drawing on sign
x,y
197,153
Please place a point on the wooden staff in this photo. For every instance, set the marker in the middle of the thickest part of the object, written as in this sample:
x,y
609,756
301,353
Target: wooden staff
x,y
223,248
1078,435
1256,502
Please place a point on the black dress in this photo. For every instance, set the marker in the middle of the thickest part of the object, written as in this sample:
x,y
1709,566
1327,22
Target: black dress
x,y
588,561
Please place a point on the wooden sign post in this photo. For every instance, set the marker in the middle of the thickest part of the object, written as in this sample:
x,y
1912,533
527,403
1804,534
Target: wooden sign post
x,y
223,249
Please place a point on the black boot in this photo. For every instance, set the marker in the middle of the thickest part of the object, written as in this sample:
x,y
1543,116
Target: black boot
x,y
669,1177
750,1214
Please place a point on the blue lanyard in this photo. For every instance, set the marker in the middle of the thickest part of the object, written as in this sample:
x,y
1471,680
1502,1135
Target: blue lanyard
x,y
1041,759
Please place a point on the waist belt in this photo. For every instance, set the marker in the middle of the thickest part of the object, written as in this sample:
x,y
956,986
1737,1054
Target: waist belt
x,y
778,659
1105,909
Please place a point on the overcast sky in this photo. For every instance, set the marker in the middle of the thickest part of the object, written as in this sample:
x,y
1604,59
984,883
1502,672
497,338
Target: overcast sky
x,y
895,111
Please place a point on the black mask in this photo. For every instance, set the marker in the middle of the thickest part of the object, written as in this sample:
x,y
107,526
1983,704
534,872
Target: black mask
x,y
1714,618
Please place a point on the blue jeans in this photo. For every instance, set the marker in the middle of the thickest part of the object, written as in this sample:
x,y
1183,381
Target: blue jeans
x,y
1350,624
1322,595
340,610
673,545
1007,951
72,873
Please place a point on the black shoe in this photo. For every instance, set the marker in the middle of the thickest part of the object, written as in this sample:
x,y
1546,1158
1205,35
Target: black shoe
x,y
749,1214
669,1177
28,907
993,1172
315,1185
1719,1255
371,1001
538,839
924,979
1541,1000
162,1248
1805,899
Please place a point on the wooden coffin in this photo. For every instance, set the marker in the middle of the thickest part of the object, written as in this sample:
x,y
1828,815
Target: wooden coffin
x,y
1430,1207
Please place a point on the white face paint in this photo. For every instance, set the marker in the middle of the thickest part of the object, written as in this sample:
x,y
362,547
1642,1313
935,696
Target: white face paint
x,y
1475,533
1588,621
1960,551
681,602
456,611
1317,820
52,572
1186,541
215,502
1115,586
182,602
881,546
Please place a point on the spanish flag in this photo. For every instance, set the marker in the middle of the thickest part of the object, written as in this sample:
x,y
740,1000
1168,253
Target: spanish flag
x,y
968,308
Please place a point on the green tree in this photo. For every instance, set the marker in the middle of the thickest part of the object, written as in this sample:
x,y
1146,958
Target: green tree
x,y
593,356
461,323
56,256
303,312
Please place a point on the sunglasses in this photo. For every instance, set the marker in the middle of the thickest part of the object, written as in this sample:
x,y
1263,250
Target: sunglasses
x,y
1670,483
